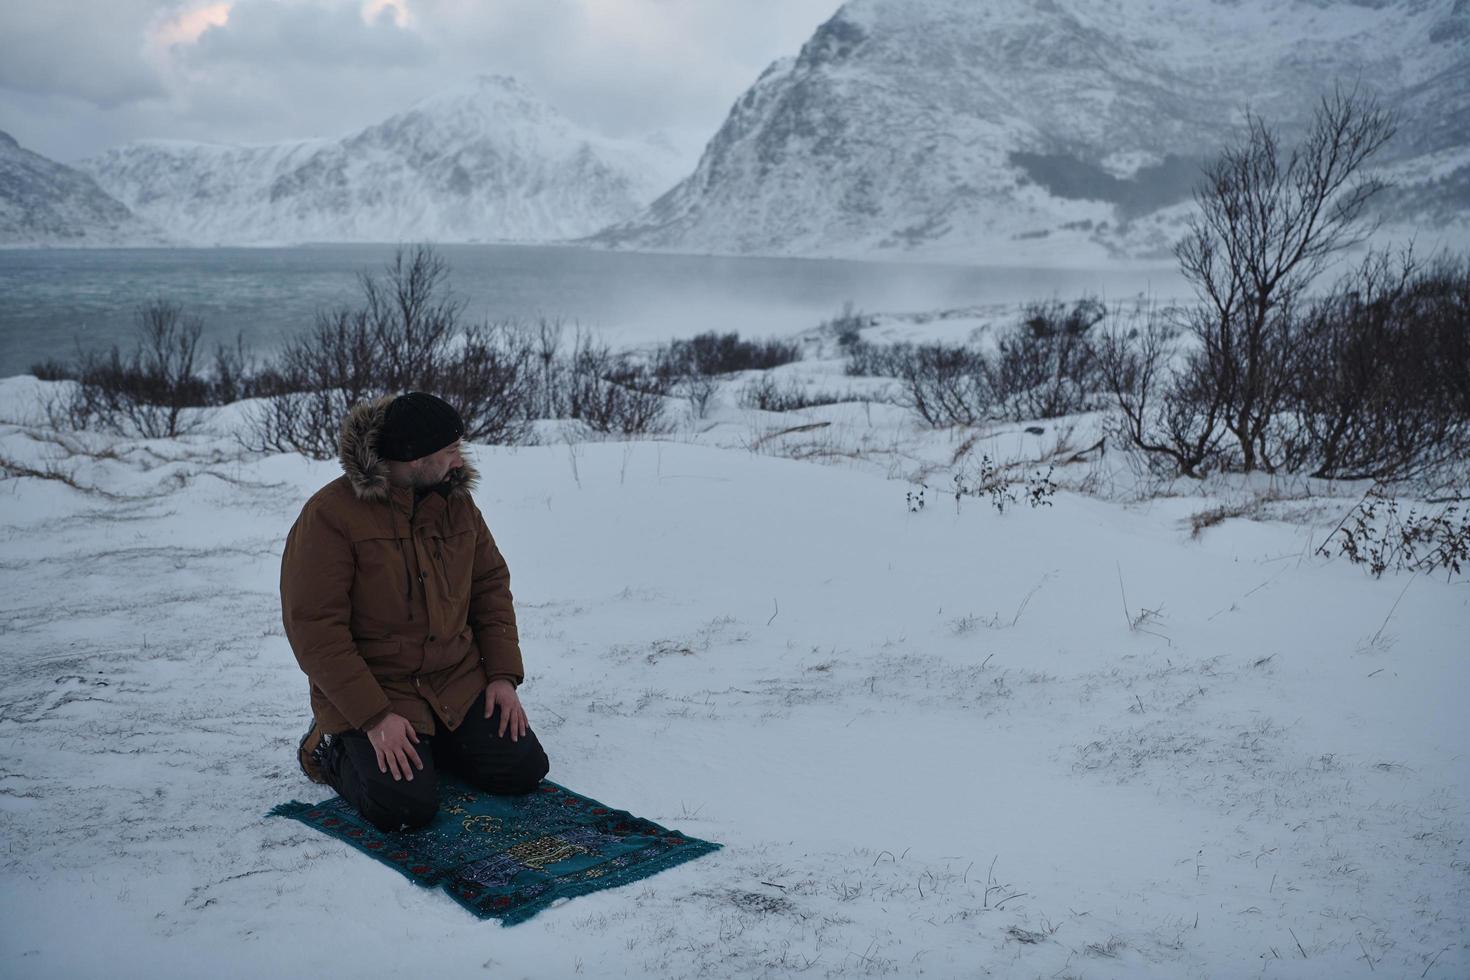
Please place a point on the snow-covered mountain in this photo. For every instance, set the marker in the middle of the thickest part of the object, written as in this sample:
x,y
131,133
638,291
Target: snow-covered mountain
x,y
1012,130
43,202
487,161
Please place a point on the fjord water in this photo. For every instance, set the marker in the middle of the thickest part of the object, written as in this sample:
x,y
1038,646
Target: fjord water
x,y
51,300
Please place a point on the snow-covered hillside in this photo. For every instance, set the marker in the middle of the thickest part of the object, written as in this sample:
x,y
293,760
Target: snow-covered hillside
x,y
1066,741
43,202
1021,132
487,161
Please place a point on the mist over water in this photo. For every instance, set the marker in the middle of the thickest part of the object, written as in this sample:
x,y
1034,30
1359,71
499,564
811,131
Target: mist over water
x,y
54,299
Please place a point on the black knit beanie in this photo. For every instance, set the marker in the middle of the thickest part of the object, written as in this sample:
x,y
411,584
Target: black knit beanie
x,y
417,425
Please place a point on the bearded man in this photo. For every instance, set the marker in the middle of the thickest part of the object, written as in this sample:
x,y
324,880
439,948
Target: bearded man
x,y
397,605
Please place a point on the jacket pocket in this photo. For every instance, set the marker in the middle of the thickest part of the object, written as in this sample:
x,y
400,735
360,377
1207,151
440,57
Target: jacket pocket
x,y
455,556
382,586
385,658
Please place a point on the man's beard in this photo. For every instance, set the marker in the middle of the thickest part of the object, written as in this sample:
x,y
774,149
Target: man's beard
x,y
423,481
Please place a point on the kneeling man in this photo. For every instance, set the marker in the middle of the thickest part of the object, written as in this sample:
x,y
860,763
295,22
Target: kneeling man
x,y
397,604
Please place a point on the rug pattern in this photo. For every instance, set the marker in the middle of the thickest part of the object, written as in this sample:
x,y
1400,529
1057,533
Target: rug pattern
x,y
509,857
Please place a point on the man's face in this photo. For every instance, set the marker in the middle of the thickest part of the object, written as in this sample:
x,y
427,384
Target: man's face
x,y
430,471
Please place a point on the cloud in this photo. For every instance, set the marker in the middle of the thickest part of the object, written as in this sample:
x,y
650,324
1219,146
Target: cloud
x,y
262,70
268,33
627,66
86,50
185,26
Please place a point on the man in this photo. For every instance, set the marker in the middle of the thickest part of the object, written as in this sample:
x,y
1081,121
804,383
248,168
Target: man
x,y
397,604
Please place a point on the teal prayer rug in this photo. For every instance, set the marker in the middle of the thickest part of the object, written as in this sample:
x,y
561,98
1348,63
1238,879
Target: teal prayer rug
x,y
509,857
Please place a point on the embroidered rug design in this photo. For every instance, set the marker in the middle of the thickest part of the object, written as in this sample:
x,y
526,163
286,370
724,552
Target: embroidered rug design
x,y
509,857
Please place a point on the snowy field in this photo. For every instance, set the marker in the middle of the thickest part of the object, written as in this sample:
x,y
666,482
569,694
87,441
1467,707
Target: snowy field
x,y
1065,741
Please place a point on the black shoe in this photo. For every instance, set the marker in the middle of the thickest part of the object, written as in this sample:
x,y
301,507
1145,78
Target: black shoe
x,y
314,753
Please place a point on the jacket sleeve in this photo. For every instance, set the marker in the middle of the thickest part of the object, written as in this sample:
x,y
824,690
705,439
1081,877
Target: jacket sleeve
x,y
316,583
492,611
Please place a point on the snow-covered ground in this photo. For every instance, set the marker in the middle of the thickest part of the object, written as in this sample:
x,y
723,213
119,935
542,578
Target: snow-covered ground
x,y
1069,741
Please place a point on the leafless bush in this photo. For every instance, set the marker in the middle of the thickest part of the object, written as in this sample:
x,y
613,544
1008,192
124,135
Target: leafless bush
x,y
1266,224
945,385
866,360
714,353
553,392
847,326
52,370
1371,381
491,379
1047,366
1172,413
1379,374
700,389
405,335
769,395
235,375
691,366
319,376
148,392
613,392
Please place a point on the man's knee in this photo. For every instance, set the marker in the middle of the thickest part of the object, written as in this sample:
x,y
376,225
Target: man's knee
x,y
533,767
405,805
511,771
390,804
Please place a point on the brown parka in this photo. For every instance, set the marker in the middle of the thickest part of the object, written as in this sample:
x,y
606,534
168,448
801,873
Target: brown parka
x,y
392,603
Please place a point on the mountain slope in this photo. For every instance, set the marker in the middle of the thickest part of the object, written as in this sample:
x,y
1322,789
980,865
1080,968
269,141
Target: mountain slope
x,y
43,202
486,161
1011,129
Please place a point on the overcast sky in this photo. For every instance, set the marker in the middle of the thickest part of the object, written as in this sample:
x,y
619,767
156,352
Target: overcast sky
x,y
77,76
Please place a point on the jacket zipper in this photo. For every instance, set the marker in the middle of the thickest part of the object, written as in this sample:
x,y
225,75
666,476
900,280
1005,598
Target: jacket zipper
x,y
407,579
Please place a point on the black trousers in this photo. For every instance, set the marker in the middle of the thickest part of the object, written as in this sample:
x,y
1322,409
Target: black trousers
x,y
474,751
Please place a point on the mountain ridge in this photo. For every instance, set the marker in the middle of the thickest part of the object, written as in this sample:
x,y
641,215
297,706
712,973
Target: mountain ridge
x,y
46,203
485,160
1014,131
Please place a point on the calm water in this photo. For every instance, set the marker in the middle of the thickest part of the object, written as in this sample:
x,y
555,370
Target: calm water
x,y
52,299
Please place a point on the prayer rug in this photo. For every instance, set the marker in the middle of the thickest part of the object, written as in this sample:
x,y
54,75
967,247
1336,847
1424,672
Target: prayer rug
x,y
509,857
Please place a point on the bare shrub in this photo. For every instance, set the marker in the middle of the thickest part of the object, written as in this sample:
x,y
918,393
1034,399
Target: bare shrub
x,y
234,375
406,334
1047,365
866,360
318,377
52,370
714,353
945,385
614,393
768,395
1173,414
847,326
148,392
1265,226
691,366
700,390
413,317
492,380
1381,365
553,392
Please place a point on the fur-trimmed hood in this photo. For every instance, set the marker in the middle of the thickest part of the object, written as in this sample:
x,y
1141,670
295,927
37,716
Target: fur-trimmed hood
x,y
357,450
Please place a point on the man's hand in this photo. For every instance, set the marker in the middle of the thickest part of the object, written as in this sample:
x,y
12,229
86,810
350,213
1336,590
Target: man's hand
x,y
393,740
502,694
